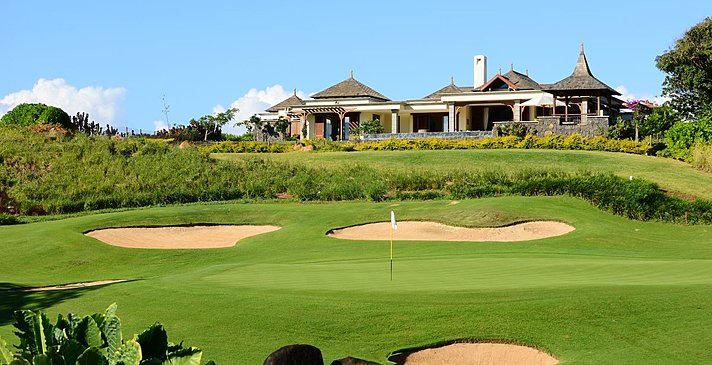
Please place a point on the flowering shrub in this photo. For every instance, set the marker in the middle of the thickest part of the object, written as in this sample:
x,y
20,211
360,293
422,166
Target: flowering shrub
x,y
557,142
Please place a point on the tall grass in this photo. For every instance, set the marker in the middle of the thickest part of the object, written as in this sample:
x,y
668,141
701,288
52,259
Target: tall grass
x,y
40,174
702,156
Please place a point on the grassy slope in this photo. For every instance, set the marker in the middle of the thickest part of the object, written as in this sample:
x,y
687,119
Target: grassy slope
x,y
612,292
669,174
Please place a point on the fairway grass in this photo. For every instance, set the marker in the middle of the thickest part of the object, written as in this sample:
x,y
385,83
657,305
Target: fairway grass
x,y
614,291
667,173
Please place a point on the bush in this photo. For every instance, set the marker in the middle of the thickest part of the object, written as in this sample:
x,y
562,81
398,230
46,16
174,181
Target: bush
x,y
683,135
247,147
8,219
517,129
368,127
702,156
91,340
31,114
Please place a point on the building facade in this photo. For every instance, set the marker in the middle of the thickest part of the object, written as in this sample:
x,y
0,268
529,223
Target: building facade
x,y
579,103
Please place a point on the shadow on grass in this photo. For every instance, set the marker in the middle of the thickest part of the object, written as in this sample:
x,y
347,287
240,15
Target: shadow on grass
x,y
11,299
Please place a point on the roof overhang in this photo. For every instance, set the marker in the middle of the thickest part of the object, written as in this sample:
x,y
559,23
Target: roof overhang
x,y
492,96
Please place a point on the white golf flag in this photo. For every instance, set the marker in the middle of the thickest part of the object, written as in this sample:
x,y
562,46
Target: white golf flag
x,y
393,221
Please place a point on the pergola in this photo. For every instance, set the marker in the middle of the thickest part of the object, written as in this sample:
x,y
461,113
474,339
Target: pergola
x,y
304,112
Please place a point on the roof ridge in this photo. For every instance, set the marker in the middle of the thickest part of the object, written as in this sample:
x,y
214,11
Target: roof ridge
x,y
349,88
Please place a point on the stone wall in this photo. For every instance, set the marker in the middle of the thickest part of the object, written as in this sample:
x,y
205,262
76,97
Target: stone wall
x,y
443,135
550,125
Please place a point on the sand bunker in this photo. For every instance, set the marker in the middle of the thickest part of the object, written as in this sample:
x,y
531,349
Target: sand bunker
x,y
67,286
480,354
431,231
178,237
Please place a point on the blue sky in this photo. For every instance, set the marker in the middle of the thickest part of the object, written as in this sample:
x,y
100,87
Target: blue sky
x,y
117,59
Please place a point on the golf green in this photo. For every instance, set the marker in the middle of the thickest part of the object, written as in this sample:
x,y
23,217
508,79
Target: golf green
x,y
614,291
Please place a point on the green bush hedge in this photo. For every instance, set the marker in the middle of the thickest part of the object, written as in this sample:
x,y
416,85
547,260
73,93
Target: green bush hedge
x,y
558,142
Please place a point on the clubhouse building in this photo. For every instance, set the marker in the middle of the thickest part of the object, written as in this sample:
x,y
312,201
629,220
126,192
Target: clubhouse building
x,y
579,103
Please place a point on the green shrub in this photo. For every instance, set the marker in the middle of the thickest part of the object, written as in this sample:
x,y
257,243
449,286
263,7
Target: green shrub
x,y
32,114
8,219
96,339
368,127
517,129
680,139
247,147
702,156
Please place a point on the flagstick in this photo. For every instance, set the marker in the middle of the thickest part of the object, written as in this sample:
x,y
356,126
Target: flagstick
x,y
391,253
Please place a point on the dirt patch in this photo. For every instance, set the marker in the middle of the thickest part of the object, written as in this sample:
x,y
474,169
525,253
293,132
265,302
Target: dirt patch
x,y
66,286
192,237
480,354
431,231
680,195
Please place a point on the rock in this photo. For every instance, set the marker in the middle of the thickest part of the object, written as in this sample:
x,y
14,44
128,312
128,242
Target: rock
x,y
353,361
295,355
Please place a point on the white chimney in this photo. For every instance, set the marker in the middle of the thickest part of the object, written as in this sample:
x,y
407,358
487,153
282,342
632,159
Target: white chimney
x,y
480,70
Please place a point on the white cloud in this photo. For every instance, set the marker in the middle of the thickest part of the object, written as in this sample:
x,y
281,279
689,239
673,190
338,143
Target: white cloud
x,y
101,103
253,102
159,125
627,95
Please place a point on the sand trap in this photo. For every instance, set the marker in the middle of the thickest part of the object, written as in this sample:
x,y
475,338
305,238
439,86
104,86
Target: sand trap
x,y
67,286
480,354
431,231
178,237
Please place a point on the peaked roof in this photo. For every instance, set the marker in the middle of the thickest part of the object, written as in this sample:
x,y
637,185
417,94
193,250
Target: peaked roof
x,y
293,100
522,81
582,79
449,89
349,88
514,80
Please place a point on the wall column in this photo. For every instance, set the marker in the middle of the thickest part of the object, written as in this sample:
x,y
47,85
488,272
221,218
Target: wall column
x,y
394,121
451,118
517,111
302,123
584,110
485,118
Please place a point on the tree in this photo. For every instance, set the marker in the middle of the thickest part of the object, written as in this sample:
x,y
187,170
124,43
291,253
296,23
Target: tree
x,y
649,119
281,126
32,114
212,123
253,124
689,70
369,127
641,109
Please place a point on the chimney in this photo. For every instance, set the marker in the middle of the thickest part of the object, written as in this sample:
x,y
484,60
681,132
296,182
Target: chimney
x,y
480,70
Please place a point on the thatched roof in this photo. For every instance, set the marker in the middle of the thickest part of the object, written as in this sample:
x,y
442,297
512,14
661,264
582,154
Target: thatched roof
x,y
582,80
511,80
449,89
349,88
522,81
291,101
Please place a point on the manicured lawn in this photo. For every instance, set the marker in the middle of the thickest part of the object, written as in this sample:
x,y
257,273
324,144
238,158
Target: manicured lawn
x,y
614,291
669,174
